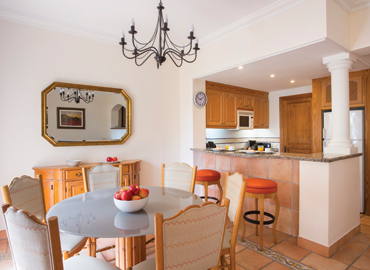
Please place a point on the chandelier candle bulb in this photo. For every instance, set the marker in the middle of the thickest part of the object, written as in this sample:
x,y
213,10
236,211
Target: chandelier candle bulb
x,y
165,18
123,34
132,22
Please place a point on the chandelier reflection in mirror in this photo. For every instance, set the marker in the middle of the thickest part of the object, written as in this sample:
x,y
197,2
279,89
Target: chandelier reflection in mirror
x,y
142,51
76,95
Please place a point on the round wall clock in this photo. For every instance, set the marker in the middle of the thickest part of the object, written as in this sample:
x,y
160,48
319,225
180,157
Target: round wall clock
x,y
200,99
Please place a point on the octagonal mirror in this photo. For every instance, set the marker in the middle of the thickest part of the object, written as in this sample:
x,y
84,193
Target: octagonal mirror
x,y
76,114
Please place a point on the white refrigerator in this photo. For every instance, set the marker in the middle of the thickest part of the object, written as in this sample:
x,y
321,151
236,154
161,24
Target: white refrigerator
x,y
357,129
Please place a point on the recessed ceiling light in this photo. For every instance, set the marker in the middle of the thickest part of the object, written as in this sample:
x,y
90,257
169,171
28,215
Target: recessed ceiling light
x,y
292,81
240,67
272,75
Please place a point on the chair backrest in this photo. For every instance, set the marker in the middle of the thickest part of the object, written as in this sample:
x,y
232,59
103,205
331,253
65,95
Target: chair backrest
x,y
191,239
101,177
179,175
34,244
26,193
234,190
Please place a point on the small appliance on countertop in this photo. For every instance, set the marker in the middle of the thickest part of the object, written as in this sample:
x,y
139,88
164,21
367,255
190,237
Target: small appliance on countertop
x,y
268,147
210,144
252,144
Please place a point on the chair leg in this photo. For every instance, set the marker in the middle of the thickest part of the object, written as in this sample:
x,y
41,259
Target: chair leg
x,y
243,226
277,211
88,245
206,192
220,189
93,247
256,206
65,255
262,209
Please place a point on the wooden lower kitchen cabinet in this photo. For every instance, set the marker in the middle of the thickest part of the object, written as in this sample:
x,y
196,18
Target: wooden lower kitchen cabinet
x,y
61,181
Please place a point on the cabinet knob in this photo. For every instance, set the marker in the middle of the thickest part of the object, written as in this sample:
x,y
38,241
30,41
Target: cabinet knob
x,y
246,106
78,174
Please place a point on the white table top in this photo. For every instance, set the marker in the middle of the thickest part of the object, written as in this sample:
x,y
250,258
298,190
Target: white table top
x,y
94,214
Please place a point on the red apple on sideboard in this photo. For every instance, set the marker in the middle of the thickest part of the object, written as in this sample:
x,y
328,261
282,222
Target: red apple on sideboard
x,y
109,159
144,192
135,189
126,195
114,159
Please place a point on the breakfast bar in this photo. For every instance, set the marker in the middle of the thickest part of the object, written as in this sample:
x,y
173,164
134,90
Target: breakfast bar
x,y
319,193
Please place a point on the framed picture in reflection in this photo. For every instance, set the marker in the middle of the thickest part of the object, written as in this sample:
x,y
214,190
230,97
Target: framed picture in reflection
x,y
71,118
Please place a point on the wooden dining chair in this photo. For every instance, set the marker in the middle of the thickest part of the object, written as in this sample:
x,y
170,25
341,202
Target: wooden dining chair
x,y
28,194
180,176
235,187
101,177
191,239
35,244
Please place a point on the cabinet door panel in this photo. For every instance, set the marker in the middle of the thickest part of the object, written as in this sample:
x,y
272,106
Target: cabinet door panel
x,y
230,110
74,188
214,110
75,174
48,194
261,113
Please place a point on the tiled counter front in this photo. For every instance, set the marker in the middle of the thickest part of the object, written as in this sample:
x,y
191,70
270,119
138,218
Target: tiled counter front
x,y
285,172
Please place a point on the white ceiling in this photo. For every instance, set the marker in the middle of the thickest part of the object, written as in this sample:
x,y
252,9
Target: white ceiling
x,y
104,20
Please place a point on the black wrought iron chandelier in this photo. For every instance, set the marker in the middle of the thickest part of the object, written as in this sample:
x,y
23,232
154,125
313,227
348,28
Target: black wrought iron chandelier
x,y
142,51
76,95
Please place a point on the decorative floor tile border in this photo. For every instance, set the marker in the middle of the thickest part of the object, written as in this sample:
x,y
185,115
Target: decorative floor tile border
x,y
5,256
273,255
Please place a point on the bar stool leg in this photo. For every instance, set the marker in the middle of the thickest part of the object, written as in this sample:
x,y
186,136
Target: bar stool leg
x,y
262,215
206,192
256,206
220,190
277,211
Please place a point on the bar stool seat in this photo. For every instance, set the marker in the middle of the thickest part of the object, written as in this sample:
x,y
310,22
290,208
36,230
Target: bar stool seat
x,y
261,189
207,177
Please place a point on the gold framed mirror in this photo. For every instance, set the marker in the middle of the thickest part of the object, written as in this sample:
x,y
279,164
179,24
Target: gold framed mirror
x,y
77,115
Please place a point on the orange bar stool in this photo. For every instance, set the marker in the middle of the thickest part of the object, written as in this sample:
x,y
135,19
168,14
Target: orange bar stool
x,y
261,189
207,178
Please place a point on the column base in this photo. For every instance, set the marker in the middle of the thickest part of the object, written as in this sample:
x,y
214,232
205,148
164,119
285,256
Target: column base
x,y
341,150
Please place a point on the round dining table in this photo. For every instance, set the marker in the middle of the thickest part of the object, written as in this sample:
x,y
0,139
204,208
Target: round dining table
x,y
94,214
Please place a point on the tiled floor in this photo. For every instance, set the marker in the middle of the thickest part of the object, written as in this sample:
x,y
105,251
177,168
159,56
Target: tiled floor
x,y
283,255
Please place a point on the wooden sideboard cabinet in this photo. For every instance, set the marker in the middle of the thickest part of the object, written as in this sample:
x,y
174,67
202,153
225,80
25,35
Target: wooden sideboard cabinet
x,y
61,181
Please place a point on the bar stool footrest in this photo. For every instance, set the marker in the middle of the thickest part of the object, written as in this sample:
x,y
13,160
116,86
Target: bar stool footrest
x,y
209,197
257,222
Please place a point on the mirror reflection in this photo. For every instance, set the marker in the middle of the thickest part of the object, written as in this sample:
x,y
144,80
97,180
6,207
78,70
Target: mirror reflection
x,y
77,115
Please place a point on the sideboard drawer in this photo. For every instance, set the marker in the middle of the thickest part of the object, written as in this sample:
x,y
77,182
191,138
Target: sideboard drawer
x,y
75,174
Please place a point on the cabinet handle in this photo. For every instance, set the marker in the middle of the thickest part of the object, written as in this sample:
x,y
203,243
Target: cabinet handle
x,y
78,174
66,189
52,187
246,106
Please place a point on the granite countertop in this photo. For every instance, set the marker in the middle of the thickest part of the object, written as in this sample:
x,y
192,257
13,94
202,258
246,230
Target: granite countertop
x,y
316,157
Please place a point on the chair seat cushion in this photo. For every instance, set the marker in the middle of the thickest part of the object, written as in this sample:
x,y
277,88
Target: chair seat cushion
x,y
207,175
70,241
261,186
145,265
85,262
227,239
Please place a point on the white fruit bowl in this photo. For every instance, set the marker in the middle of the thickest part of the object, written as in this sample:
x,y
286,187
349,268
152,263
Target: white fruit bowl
x,y
131,206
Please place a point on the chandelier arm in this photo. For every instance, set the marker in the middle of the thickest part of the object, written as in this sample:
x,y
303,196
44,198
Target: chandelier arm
x,y
177,46
144,54
191,61
177,65
144,60
176,54
123,52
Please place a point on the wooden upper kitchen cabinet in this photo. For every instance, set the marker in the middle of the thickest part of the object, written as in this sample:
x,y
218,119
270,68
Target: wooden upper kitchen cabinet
x,y
221,109
261,113
223,101
356,93
61,182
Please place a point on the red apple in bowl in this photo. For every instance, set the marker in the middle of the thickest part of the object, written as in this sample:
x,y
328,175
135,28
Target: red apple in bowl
x,y
144,192
109,159
124,188
126,195
135,189
136,197
117,195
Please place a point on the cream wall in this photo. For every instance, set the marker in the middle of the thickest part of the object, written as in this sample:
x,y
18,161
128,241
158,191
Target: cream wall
x,y
33,58
360,29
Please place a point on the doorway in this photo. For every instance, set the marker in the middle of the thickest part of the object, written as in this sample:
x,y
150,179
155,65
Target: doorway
x,y
296,124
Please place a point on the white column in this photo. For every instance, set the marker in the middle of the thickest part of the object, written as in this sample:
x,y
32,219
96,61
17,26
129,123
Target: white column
x,y
339,66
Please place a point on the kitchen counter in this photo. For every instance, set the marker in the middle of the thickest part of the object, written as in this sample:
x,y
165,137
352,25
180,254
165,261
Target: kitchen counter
x,y
316,157
319,193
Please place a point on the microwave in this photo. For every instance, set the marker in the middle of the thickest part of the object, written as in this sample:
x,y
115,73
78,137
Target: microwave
x,y
245,120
